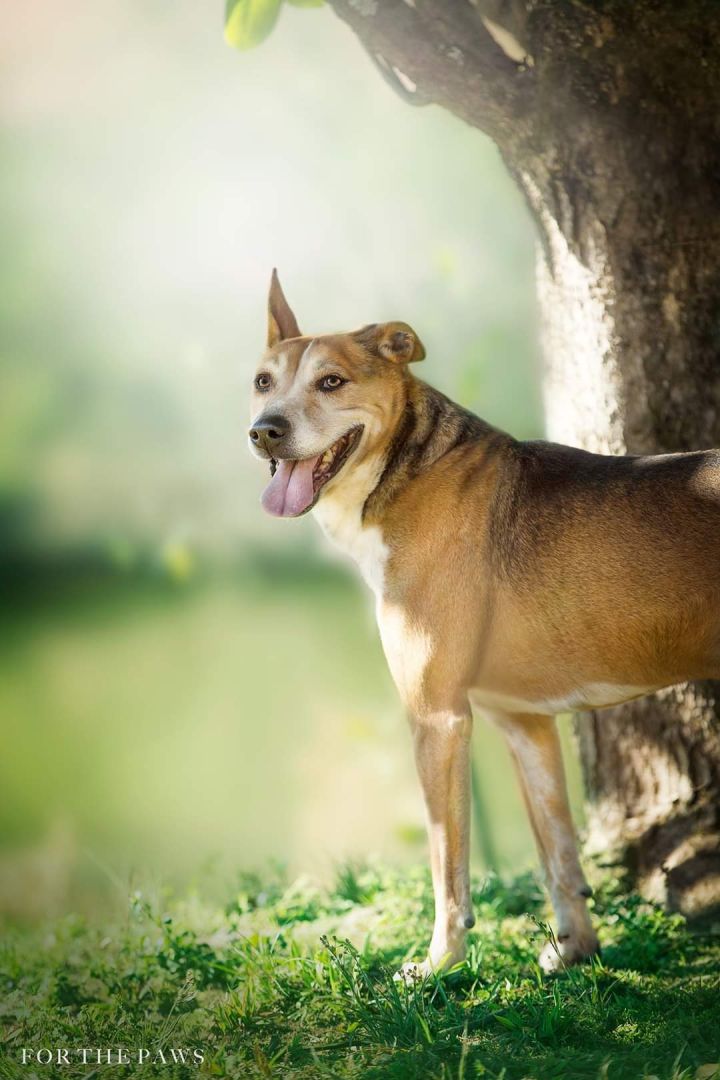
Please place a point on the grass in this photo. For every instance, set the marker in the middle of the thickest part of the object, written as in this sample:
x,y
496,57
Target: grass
x,y
292,980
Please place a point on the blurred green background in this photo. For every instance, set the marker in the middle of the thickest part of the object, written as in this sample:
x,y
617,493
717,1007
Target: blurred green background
x,y
187,686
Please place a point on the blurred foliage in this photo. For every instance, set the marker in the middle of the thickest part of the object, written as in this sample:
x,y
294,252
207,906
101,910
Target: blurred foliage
x,y
248,22
164,716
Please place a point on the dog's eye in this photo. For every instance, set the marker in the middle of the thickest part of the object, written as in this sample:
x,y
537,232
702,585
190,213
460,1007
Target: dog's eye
x,y
332,382
263,382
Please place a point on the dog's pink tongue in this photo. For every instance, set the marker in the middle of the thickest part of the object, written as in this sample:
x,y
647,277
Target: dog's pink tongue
x,y
291,489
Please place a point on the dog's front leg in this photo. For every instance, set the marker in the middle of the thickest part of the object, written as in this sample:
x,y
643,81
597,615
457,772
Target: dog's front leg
x,y
535,749
442,754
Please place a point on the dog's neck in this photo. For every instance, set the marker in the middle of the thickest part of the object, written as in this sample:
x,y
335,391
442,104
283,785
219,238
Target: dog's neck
x,y
427,427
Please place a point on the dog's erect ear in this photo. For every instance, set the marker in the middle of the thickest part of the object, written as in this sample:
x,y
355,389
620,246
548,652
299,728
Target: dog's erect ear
x,y
281,321
394,341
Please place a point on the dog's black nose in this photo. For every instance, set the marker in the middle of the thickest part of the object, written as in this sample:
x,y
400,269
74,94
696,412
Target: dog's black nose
x,y
268,432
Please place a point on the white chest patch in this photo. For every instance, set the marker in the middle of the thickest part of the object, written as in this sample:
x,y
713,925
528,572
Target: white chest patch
x,y
341,522
408,648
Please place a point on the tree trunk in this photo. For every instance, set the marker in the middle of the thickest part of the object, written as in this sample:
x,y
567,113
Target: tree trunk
x,y
611,127
631,303
626,191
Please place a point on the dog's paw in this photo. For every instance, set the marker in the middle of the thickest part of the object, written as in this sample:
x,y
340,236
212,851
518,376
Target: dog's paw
x,y
412,973
565,952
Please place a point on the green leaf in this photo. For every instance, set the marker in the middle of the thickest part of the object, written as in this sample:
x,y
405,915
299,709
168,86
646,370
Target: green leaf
x,y
306,3
248,22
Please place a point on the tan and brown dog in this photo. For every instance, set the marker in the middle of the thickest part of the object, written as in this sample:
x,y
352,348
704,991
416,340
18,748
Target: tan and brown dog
x,y
524,578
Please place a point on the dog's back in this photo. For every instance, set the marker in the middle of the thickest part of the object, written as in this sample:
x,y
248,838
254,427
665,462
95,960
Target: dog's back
x,y
624,551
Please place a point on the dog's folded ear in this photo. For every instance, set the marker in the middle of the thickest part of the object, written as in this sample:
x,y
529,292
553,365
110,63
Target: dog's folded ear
x,y
394,341
281,321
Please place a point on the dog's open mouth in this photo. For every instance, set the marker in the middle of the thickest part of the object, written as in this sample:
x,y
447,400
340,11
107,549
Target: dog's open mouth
x,y
296,485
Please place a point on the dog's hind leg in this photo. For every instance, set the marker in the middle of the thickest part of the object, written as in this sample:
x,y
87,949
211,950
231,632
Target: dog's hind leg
x,y
535,749
442,754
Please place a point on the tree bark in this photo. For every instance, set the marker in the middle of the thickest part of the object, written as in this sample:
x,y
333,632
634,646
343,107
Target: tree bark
x,y
608,116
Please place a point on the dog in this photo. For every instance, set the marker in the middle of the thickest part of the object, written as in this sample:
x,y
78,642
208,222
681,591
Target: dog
x,y
522,578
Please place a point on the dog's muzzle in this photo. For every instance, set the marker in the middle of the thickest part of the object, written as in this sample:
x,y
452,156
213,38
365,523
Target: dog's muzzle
x,y
269,433
297,483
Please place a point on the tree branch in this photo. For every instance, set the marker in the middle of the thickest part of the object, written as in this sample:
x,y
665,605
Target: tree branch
x,y
444,51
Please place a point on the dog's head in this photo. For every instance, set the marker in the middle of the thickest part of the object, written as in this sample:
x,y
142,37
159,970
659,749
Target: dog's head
x,y
321,405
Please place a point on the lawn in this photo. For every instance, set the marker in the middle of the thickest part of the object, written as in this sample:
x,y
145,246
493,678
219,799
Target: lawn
x,y
289,979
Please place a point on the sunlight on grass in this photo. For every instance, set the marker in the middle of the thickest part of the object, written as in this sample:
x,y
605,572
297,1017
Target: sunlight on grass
x,y
292,979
